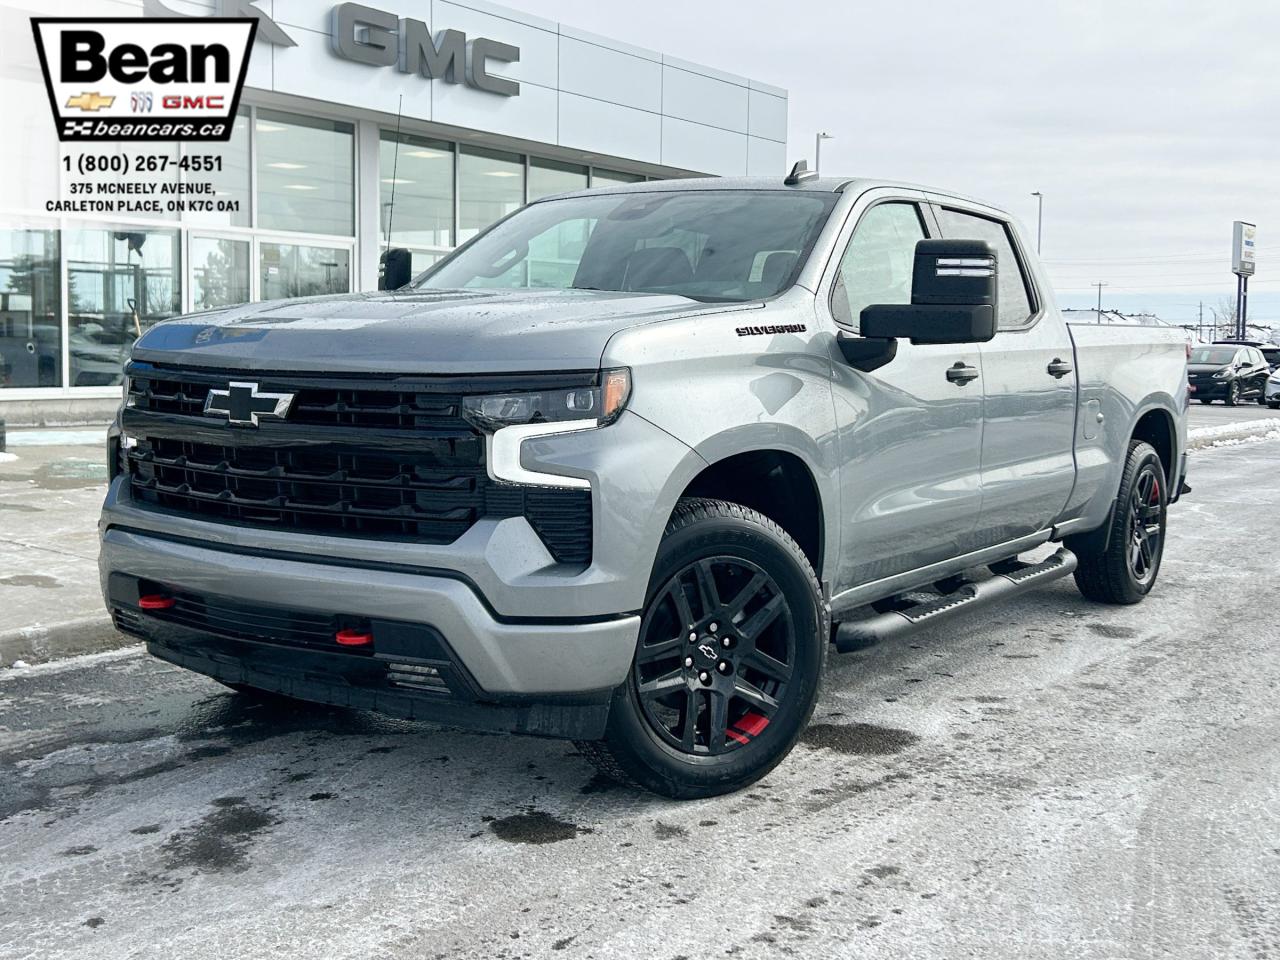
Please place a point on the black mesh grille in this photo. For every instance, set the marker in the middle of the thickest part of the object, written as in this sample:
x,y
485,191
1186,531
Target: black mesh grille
x,y
341,464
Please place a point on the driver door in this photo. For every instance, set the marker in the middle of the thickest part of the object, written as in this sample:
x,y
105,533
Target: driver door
x,y
909,435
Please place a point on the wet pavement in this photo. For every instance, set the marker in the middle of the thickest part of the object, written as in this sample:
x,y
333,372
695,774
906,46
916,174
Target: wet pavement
x,y
1052,779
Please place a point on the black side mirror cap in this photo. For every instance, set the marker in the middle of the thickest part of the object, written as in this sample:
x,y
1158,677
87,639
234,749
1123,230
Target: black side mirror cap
x,y
954,296
395,269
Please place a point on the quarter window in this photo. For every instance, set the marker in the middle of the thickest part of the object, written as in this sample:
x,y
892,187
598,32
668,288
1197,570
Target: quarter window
x,y
877,264
1015,302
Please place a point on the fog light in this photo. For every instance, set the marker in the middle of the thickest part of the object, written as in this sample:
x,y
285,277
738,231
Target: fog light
x,y
156,601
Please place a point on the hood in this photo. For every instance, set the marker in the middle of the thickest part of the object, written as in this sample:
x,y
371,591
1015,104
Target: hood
x,y
415,331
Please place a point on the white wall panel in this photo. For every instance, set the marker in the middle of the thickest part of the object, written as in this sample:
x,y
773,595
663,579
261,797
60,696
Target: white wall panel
x,y
706,149
766,158
311,70
610,129
768,116
530,116
539,48
595,71
702,99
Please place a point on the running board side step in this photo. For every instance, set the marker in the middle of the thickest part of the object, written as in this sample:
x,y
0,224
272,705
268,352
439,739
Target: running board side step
x,y
1010,577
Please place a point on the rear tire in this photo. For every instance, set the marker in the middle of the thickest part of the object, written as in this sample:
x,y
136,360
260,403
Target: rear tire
x,y
707,716
1126,571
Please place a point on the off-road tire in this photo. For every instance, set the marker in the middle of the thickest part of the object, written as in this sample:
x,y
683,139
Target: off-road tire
x,y
633,751
1109,577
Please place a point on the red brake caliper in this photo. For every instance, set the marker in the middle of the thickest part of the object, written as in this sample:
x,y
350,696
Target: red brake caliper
x,y
748,727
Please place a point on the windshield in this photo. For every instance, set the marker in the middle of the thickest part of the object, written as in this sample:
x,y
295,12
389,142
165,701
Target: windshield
x,y
706,245
1217,355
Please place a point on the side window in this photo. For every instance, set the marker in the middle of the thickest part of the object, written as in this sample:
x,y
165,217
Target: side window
x,y
876,266
1015,303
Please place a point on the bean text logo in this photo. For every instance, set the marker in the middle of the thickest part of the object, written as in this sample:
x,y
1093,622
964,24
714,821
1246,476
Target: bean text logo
x,y
193,70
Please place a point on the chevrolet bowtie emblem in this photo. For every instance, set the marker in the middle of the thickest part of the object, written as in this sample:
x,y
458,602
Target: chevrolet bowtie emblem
x,y
90,101
243,404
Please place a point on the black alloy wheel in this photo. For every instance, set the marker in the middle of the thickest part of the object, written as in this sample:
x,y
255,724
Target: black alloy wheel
x,y
732,645
717,646
1125,570
1146,525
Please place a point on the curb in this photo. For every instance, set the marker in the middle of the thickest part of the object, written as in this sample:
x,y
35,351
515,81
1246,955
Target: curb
x,y
68,638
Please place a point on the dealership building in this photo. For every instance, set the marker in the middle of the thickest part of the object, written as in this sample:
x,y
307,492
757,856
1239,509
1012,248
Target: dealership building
x,y
339,145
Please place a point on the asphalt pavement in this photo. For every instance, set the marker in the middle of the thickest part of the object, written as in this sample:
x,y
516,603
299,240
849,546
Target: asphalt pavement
x,y
1055,779
1217,413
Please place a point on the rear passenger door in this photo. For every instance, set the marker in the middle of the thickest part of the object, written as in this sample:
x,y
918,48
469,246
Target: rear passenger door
x,y
1028,437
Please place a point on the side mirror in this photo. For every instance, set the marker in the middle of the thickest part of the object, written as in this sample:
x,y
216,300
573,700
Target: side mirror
x,y
395,269
954,291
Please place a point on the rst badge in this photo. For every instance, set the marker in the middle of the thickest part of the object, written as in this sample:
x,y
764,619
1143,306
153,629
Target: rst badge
x,y
120,78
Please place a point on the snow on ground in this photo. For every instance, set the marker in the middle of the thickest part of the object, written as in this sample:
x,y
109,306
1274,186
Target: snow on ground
x,y
8,457
56,438
1230,434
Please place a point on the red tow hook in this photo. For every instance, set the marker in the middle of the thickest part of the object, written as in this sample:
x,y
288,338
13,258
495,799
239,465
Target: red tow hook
x,y
156,601
354,638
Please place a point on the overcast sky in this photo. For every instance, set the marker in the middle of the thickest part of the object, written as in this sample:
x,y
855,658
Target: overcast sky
x,y
1149,126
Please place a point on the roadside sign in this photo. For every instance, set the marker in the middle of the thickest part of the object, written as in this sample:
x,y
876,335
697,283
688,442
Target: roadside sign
x,y
1243,245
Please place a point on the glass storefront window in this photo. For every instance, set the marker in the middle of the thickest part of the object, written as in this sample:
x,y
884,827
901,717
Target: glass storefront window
x,y
612,178
231,182
30,309
490,185
551,176
219,272
294,270
419,176
306,174
120,282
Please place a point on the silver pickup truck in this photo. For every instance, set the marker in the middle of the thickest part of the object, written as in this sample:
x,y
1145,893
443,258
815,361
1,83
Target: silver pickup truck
x,y
625,466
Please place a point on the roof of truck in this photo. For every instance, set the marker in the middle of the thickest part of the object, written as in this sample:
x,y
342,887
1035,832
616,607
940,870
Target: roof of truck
x,y
813,185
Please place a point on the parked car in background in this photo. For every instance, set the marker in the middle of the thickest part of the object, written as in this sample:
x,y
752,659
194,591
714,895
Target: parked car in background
x,y
1227,372
1270,351
1272,395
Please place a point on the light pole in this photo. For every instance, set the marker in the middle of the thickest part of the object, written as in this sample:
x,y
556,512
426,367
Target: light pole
x,y
1039,218
817,150
1099,286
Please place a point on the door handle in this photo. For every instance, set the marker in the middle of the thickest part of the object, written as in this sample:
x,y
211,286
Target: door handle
x,y
961,373
1059,368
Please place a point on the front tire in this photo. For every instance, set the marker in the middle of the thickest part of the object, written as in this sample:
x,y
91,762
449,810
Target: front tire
x,y
1233,394
1126,571
732,647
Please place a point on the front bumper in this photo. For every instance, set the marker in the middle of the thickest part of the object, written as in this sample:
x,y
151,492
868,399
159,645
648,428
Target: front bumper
x,y
1208,389
1272,394
502,659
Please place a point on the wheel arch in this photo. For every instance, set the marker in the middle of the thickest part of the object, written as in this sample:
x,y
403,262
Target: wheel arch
x,y
776,482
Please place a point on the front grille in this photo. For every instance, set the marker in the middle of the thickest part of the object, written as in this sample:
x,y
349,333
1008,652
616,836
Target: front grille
x,y
362,458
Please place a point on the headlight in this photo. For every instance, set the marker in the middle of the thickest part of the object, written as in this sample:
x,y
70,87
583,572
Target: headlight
x,y
1222,374
602,403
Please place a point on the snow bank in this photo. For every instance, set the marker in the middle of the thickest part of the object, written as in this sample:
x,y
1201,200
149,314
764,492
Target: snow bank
x,y
1231,434
8,457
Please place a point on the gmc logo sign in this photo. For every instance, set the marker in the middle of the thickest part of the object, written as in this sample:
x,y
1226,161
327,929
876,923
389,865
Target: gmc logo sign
x,y
184,73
